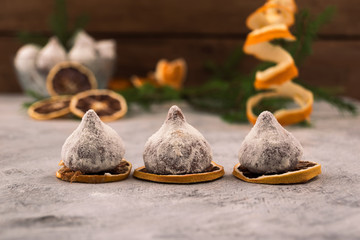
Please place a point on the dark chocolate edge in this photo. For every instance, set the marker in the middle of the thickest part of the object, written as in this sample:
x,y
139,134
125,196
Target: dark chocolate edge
x,y
252,175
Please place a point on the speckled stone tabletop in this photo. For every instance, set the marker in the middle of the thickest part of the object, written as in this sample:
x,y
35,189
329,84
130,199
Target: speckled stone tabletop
x,y
34,204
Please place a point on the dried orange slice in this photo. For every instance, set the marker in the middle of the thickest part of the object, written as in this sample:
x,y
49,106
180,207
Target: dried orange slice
x,y
214,172
69,78
171,73
303,172
140,81
121,172
54,107
268,23
107,104
118,84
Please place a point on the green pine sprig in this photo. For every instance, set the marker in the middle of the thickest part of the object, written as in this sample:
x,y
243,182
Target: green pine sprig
x,y
35,97
306,30
149,94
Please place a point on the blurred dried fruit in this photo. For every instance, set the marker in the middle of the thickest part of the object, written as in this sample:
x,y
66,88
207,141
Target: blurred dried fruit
x,y
68,78
171,73
50,108
106,103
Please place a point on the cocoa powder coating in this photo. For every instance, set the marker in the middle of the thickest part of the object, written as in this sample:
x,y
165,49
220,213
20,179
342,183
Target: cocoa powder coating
x,y
177,147
269,148
93,147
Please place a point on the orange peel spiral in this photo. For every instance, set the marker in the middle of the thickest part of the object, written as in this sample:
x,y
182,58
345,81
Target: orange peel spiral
x,y
269,22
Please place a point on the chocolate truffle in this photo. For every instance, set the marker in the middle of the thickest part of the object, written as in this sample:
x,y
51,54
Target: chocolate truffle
x,y
269,148
93,147
177,147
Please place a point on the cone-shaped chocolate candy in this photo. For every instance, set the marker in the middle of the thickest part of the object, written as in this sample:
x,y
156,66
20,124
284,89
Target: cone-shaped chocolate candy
x,y
177,147
93,147
269,148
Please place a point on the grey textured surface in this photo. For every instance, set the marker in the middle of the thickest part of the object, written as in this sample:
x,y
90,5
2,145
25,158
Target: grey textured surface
x,y
36,205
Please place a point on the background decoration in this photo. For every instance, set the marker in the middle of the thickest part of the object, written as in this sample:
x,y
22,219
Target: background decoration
x,y
227,90
59,25
270,22
73,89
167,73
39,55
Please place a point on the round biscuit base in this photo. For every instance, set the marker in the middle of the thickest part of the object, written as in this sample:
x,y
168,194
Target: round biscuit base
x,y
291,177
141,173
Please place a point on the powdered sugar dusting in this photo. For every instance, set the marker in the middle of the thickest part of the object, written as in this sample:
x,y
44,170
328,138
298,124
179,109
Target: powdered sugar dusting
x,y
177,147
269,148
93,147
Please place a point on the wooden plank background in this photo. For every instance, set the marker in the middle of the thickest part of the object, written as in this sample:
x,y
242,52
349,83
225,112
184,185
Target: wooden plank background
x,y
146,31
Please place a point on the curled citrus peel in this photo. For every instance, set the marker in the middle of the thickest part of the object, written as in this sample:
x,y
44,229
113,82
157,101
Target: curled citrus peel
x,y
272,12
301,96
166,74
270,22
